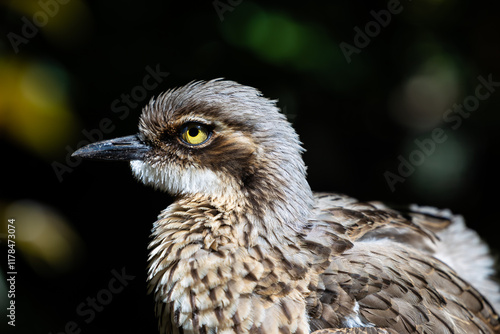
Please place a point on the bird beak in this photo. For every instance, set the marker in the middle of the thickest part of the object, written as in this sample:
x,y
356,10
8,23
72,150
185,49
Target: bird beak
x,y
122,149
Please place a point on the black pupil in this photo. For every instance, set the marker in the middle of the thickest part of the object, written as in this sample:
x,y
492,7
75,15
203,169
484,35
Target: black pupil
x,y
193,132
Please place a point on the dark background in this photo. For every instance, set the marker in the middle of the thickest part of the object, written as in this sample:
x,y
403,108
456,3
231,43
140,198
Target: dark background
x,y
356,119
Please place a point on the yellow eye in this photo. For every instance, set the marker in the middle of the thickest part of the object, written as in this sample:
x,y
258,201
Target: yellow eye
x,y
195,133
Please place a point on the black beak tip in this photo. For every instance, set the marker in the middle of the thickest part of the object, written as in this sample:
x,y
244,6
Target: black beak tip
x,y
83,152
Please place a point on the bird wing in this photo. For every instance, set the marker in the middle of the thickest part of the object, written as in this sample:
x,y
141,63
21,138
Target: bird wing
x,y
388,277
366,220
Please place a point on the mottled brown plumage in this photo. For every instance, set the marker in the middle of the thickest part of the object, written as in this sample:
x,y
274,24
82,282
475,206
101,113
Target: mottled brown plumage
x,y
248,248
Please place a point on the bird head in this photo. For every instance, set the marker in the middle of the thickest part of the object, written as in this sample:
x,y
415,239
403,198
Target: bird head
x,y
217,140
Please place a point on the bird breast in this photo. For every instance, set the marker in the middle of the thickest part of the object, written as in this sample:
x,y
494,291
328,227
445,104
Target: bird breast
x,y
209,274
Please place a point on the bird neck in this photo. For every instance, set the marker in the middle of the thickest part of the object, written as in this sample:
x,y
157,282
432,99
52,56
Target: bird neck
x,y
249,220
274,207
279,197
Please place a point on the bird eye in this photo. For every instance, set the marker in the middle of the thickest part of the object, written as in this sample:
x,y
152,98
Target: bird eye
x,y
195,133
